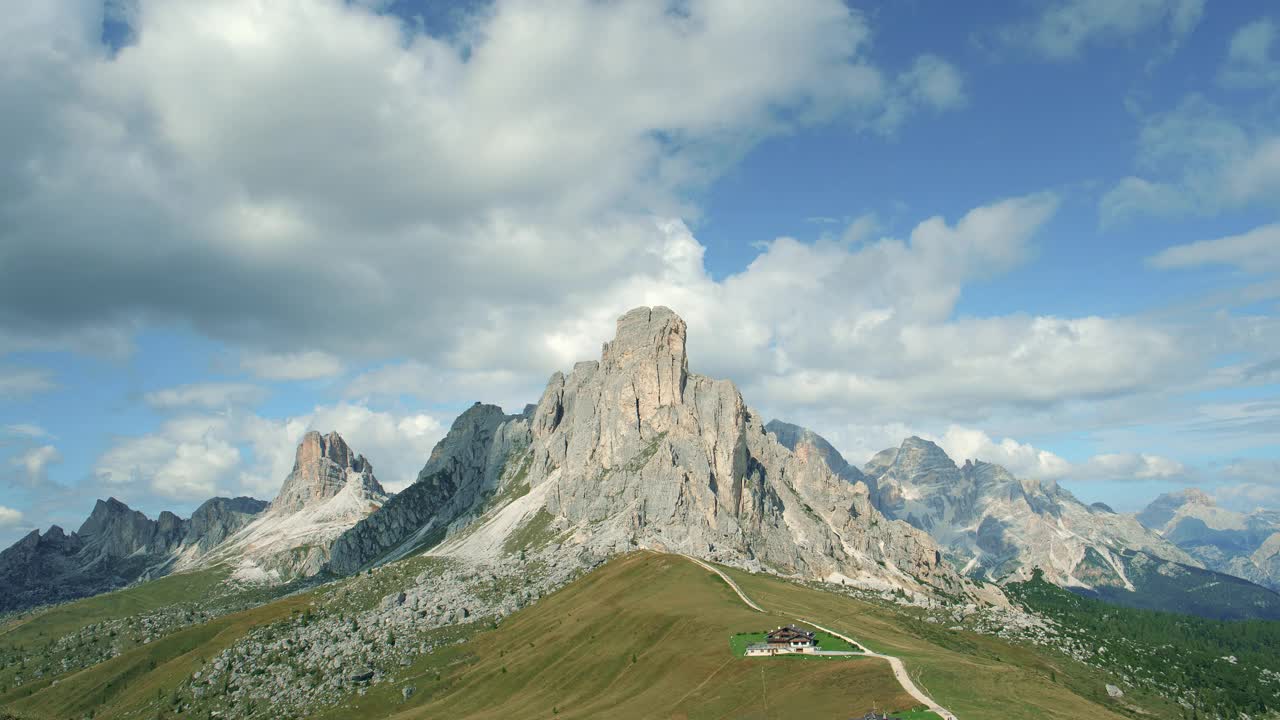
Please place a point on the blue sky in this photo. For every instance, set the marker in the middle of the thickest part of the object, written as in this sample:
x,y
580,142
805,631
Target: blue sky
x,y
1041,233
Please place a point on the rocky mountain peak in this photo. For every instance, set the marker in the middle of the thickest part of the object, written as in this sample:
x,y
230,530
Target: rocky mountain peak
x,y
323,466
111,515
1161,510
315,446
634,450
807,444
920,453
649,345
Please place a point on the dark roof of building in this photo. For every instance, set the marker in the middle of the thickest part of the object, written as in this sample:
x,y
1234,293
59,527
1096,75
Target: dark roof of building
x,y
788,633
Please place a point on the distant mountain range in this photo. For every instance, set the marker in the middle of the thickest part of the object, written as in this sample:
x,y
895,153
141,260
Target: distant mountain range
x,y
114,547
634,451
1246,545
1000,528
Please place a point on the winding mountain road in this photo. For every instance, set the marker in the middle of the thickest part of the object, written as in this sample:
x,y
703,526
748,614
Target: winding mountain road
x,y
899,669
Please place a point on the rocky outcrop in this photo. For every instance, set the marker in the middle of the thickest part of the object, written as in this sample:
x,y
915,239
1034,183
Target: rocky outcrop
x,y
1240,544
634,450
806,443
323,466
219,518
461,474
330,489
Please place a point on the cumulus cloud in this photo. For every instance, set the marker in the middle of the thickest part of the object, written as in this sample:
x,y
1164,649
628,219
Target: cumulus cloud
x,y
1021,459
34,463
1123,466
9,517
195,456
1064,28
471,170
210,395
1197,159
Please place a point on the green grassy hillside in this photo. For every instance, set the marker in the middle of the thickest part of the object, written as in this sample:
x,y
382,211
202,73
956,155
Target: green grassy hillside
x,y
973,675
645,635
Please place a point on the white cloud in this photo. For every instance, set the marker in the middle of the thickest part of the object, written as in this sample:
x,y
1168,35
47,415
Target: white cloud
x,y
195,468
194,457
9,517
931,83
210,395
1249,61
1023,460
1124,466
1197,160
351,186
35,461
19,382
1255,251
1065,27
309,365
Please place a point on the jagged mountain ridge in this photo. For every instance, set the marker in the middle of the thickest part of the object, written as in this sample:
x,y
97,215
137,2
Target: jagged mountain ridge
x,y
1246,545
463,471
634,451
329,489
115,546
1002,528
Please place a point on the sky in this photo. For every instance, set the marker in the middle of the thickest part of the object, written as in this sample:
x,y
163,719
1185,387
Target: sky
x,y
1043,233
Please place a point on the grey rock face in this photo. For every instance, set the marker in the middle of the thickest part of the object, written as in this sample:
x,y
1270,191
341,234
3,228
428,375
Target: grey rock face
x,y
806,443
461,473
329,490
997,526
321,469
636,451
219,518
1161,510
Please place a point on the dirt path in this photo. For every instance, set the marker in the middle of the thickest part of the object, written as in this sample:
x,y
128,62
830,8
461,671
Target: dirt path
x,y
899,669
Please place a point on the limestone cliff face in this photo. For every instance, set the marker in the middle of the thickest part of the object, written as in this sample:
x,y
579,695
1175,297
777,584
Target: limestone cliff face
x,y
633,451
330,489
219,518
808,444
323,466
461,474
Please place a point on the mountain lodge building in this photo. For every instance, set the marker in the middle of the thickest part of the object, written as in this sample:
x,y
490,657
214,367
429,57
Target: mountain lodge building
x,y
783,640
